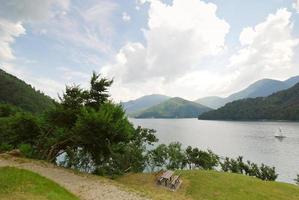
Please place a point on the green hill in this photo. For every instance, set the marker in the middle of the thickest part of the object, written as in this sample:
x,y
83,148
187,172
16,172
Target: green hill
x,y
22,184
283,105
142,103
174,108
16,92
212,185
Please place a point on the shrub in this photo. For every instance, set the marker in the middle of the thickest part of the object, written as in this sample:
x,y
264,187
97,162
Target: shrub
x,y
5,147
26,150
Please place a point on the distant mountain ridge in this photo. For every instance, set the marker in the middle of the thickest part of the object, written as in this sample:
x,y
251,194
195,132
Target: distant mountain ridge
x,y
261,88
174,108
20,94
283,105
143,103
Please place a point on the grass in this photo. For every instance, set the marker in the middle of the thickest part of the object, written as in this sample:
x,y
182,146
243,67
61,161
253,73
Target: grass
x,y
19,184
212,185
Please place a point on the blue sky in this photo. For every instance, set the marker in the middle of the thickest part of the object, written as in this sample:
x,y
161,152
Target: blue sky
x,y
187,48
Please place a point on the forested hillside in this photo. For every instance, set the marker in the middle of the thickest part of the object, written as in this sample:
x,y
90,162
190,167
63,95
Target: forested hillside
x,y
174,108
260,88
283,105
16,92
142,103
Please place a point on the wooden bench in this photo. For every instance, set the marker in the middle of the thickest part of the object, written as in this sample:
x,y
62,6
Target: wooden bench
x,y
175,180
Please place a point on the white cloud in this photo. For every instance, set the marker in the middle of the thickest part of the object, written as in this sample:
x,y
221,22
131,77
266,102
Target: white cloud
x,y
173,54
84,28
30,10
8,32
178,38
14,13
126,17
100,16
296,5
267,50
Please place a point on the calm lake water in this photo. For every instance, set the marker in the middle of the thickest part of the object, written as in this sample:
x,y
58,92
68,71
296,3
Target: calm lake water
x,y
255,141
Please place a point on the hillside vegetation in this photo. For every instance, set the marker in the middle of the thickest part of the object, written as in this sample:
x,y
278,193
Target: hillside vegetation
x,y
211,185
18,93
143,103
260,88
174,108
282,105
19,184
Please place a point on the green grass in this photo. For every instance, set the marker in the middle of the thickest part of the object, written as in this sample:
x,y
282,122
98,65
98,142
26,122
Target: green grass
x,y
19,184
211,185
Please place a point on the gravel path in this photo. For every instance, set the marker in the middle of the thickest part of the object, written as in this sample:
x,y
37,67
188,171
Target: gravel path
x,y
84,186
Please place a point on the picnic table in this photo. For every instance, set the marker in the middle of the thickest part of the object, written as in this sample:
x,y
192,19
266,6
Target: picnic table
x,y
167,179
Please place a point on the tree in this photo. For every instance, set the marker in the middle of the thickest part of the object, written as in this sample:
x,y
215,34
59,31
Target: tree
x,y
297,179
176,156
157,157
188,157
94,132
23,128
201,159
251,169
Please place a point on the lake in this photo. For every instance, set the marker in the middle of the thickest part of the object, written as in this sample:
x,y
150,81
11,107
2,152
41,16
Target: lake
x,y
255,141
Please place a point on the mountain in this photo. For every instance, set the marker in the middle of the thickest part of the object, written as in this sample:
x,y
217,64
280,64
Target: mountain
x,y
212,101
143,103
174,108
16,92
261,88
283,105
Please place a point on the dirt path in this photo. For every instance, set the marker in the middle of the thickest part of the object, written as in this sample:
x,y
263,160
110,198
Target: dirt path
x,y
84,186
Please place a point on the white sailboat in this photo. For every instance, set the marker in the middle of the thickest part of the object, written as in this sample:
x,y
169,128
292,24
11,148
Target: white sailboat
x,y
279,134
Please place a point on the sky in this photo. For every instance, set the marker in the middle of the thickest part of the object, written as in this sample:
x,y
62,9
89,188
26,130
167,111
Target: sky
x,y
186,48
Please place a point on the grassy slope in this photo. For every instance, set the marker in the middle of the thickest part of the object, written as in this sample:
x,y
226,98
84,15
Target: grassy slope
x,y
18,184
211,185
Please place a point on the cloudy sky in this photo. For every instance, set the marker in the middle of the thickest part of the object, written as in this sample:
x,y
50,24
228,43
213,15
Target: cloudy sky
x,y
187,48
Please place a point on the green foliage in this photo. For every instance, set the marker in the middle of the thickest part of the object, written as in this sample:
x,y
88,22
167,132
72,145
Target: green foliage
x,y
26,150
7,110
157,157
174,108
251,169
297,179
176,156
196,158
16,92
23,128
4,147
93,133
279,106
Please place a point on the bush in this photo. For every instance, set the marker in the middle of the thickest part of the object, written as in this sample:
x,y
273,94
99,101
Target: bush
x,y
251,169
26,150
5,147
